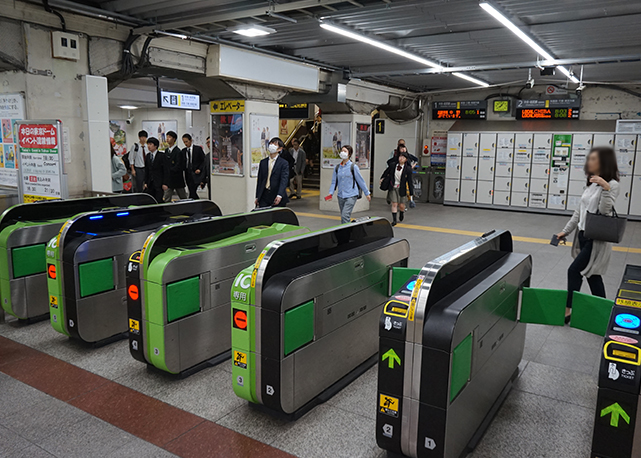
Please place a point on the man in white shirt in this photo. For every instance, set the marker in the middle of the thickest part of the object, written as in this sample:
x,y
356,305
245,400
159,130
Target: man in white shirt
x,y
137,161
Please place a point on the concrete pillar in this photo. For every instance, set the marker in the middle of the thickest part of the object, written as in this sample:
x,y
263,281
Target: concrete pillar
x,y
349,121
95,107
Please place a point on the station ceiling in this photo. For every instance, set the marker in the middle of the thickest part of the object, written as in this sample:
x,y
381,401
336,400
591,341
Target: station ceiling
x,y
603,35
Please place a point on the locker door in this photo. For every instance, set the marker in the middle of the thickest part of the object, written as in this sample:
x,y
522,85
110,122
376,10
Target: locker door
x,y
503,184
451,191
454,143
523,155
579,157
581,142
469,168
540,171
556,201
625,161
538,185
505,140
559,181
503,169
625,142
603,140
537,200
635,197
576,187
577,173
542,141
523,141
541,156
453,167
468,191
486,169
504,155
501,198
519,199
470,144
622,204
521,185
484,192
521,170
487,144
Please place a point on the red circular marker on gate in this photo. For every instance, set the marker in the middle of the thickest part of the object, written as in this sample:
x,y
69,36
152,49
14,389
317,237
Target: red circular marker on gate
x,y
240,319
133,292
52,271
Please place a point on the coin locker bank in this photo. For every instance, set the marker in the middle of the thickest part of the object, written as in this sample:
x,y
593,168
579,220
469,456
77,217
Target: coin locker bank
x,y
178,291
25,229
86,265
304,315
450,346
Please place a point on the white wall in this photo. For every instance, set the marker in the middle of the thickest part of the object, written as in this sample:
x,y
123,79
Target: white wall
x,y
386,143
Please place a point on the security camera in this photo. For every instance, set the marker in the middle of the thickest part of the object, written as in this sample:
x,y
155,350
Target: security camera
x,y
130,119
580,89
530,83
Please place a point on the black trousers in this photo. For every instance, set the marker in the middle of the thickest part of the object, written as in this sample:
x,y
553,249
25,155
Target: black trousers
x,y
267,200
192,186
156,192
575,279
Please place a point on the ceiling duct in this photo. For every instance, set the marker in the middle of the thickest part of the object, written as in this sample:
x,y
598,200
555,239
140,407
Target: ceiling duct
x,y
402,109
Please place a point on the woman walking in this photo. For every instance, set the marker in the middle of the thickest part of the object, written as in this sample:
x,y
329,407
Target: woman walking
x,y
399,184
591,257
347,179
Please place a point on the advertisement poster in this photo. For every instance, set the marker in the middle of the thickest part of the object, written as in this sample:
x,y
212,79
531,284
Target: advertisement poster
x,y
438,155
39,161
362,145
335,135
118,139
263,129
159,130
227,144
11,111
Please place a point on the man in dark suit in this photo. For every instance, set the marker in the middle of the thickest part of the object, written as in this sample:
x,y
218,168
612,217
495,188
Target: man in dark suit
x,y
206,175
176,159
156,170
273,177
195,165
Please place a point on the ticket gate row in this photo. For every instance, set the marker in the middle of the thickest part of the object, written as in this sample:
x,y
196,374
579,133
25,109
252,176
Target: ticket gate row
x,y
25,230
450,346
304,315
178,286
86,265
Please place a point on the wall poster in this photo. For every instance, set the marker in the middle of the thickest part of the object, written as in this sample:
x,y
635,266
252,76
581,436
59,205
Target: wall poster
x,y
227,144
40,162
159,130
335,135
362,145
263,129
118,139
11,111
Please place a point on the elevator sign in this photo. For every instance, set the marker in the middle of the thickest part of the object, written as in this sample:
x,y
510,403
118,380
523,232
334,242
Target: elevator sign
x,y
39,163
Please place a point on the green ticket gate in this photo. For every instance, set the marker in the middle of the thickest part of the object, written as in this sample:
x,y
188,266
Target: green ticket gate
x,y
304,315
88,260
25,230
178,291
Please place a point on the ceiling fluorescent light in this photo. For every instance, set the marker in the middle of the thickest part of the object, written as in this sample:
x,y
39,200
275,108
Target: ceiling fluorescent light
x,y
470,79
253,30
364,39
128,107
523,36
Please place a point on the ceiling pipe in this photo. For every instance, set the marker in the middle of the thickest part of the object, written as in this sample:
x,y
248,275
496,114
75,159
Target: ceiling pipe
x,y
96,13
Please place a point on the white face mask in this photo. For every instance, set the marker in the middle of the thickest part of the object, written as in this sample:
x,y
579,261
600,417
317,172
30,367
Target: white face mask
x,y
273,148
344,155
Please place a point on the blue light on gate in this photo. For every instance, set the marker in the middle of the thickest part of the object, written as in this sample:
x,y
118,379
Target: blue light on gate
x,y
122,214
410,285
628,321
96,217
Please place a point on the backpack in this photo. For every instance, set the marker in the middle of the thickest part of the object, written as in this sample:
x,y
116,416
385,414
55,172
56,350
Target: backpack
x,y
360,191
385,179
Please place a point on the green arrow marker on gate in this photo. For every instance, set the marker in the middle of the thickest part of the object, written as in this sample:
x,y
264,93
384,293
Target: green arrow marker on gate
x,y
617,411
391,356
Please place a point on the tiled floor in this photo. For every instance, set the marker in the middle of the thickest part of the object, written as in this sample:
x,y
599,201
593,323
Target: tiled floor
x,y
548,414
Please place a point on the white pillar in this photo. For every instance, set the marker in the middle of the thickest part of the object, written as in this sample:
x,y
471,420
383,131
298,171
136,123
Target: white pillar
x,y
95,104
327,171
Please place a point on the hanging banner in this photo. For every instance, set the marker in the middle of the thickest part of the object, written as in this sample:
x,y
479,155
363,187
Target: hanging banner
x,y
39,161
11,111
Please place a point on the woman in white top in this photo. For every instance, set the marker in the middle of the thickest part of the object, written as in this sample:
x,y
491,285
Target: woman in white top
x,y
591,257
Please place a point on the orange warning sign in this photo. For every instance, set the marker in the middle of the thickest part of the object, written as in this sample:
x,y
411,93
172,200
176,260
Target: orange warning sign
x,y
133,292
240,319
51,271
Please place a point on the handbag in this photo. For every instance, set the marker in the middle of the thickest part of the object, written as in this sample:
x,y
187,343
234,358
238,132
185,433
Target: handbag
x,y
384,186
604,228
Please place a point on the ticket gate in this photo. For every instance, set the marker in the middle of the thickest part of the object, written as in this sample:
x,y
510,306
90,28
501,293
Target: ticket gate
x,y
617,425
304,315
25,230
450,345
86,265
178,292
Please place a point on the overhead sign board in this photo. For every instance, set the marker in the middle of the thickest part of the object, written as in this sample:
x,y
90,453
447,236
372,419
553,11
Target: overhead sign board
x,y
178,100
227,106
548,109
295,111
468,109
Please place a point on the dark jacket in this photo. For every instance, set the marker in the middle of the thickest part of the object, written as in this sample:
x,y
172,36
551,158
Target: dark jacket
x,y
176,160
197,161
285,154
206,175
156,172
279,179
407,184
